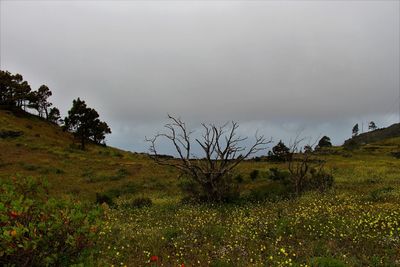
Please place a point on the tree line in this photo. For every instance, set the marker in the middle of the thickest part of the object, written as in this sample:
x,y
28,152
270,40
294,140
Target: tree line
x,y
82,121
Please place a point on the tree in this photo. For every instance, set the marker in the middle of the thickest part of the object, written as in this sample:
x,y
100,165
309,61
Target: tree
x,y
84,123
39,100
222,149
306,171
325,141
54,115
280,152
372,126
308,149
355,130
14,90
99,131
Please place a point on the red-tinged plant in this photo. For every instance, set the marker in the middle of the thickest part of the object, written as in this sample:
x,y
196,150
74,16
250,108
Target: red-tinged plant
x,y
153,258
33,231
14,214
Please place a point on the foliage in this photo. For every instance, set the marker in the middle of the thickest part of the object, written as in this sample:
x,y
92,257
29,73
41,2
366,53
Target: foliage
x,y
278,175
141,202
37,230
15,93
280,152
372,126
326,262
54,115
325,141
355,130
39,100
84,123
254,174
109,195
308,173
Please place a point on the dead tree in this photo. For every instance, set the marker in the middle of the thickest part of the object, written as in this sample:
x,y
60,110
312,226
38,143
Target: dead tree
x,y
222,148
306,170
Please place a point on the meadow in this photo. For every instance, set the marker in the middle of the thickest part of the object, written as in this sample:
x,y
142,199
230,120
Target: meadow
x,y
356,223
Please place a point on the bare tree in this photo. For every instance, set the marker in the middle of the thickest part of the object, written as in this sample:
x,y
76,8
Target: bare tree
x,y
223,151
306,170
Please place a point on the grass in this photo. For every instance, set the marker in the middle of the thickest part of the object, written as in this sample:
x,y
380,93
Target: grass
x,y
357,223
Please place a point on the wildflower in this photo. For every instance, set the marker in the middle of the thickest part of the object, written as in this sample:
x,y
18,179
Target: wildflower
x,y
153,258
14,214
13,232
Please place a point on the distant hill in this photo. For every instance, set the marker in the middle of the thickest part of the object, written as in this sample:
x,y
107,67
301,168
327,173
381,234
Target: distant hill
x,y
378,135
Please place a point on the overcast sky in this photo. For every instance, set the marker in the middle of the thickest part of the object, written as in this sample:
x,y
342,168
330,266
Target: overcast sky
x,y
278,67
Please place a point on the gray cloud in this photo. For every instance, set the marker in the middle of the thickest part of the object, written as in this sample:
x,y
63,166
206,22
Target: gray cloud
x,y
281,67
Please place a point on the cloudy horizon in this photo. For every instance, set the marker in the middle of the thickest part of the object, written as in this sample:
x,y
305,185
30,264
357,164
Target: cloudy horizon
x,y
279,67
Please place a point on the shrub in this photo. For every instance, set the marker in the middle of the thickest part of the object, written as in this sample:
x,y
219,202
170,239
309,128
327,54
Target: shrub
x,y
104,198
109,195
239,178
319,180
37,230
278,175
141,202
326,262
280,152
10,134
380,193
254,174
396,154
273,191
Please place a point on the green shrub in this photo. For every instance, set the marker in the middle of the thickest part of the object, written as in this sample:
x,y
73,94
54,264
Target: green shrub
x,y
239,178
221,263
37,230
326,262
104,198
29,167
278,175
254,174
380,193
272,191
141,202
319,180
109,195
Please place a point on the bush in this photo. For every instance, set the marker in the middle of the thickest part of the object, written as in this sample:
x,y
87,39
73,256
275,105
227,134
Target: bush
x,y
319,180
104,198
380,194
239,178
109,196
228,190
10,134
278,175
141,202
37,230
326,262
273,191
254,174
396,154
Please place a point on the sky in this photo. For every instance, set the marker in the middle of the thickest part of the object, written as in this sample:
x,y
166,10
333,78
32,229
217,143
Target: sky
x,y
281,68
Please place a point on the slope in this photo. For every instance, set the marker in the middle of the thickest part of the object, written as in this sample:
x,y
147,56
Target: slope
x,y
41,149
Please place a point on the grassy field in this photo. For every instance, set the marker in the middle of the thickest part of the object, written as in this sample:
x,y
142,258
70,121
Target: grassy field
x,y
357,223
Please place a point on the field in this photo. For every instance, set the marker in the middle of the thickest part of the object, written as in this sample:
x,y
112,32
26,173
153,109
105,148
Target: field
x,y
357,223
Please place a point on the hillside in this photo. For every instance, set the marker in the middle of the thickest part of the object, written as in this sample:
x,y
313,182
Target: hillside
x,y
42,149
377,135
